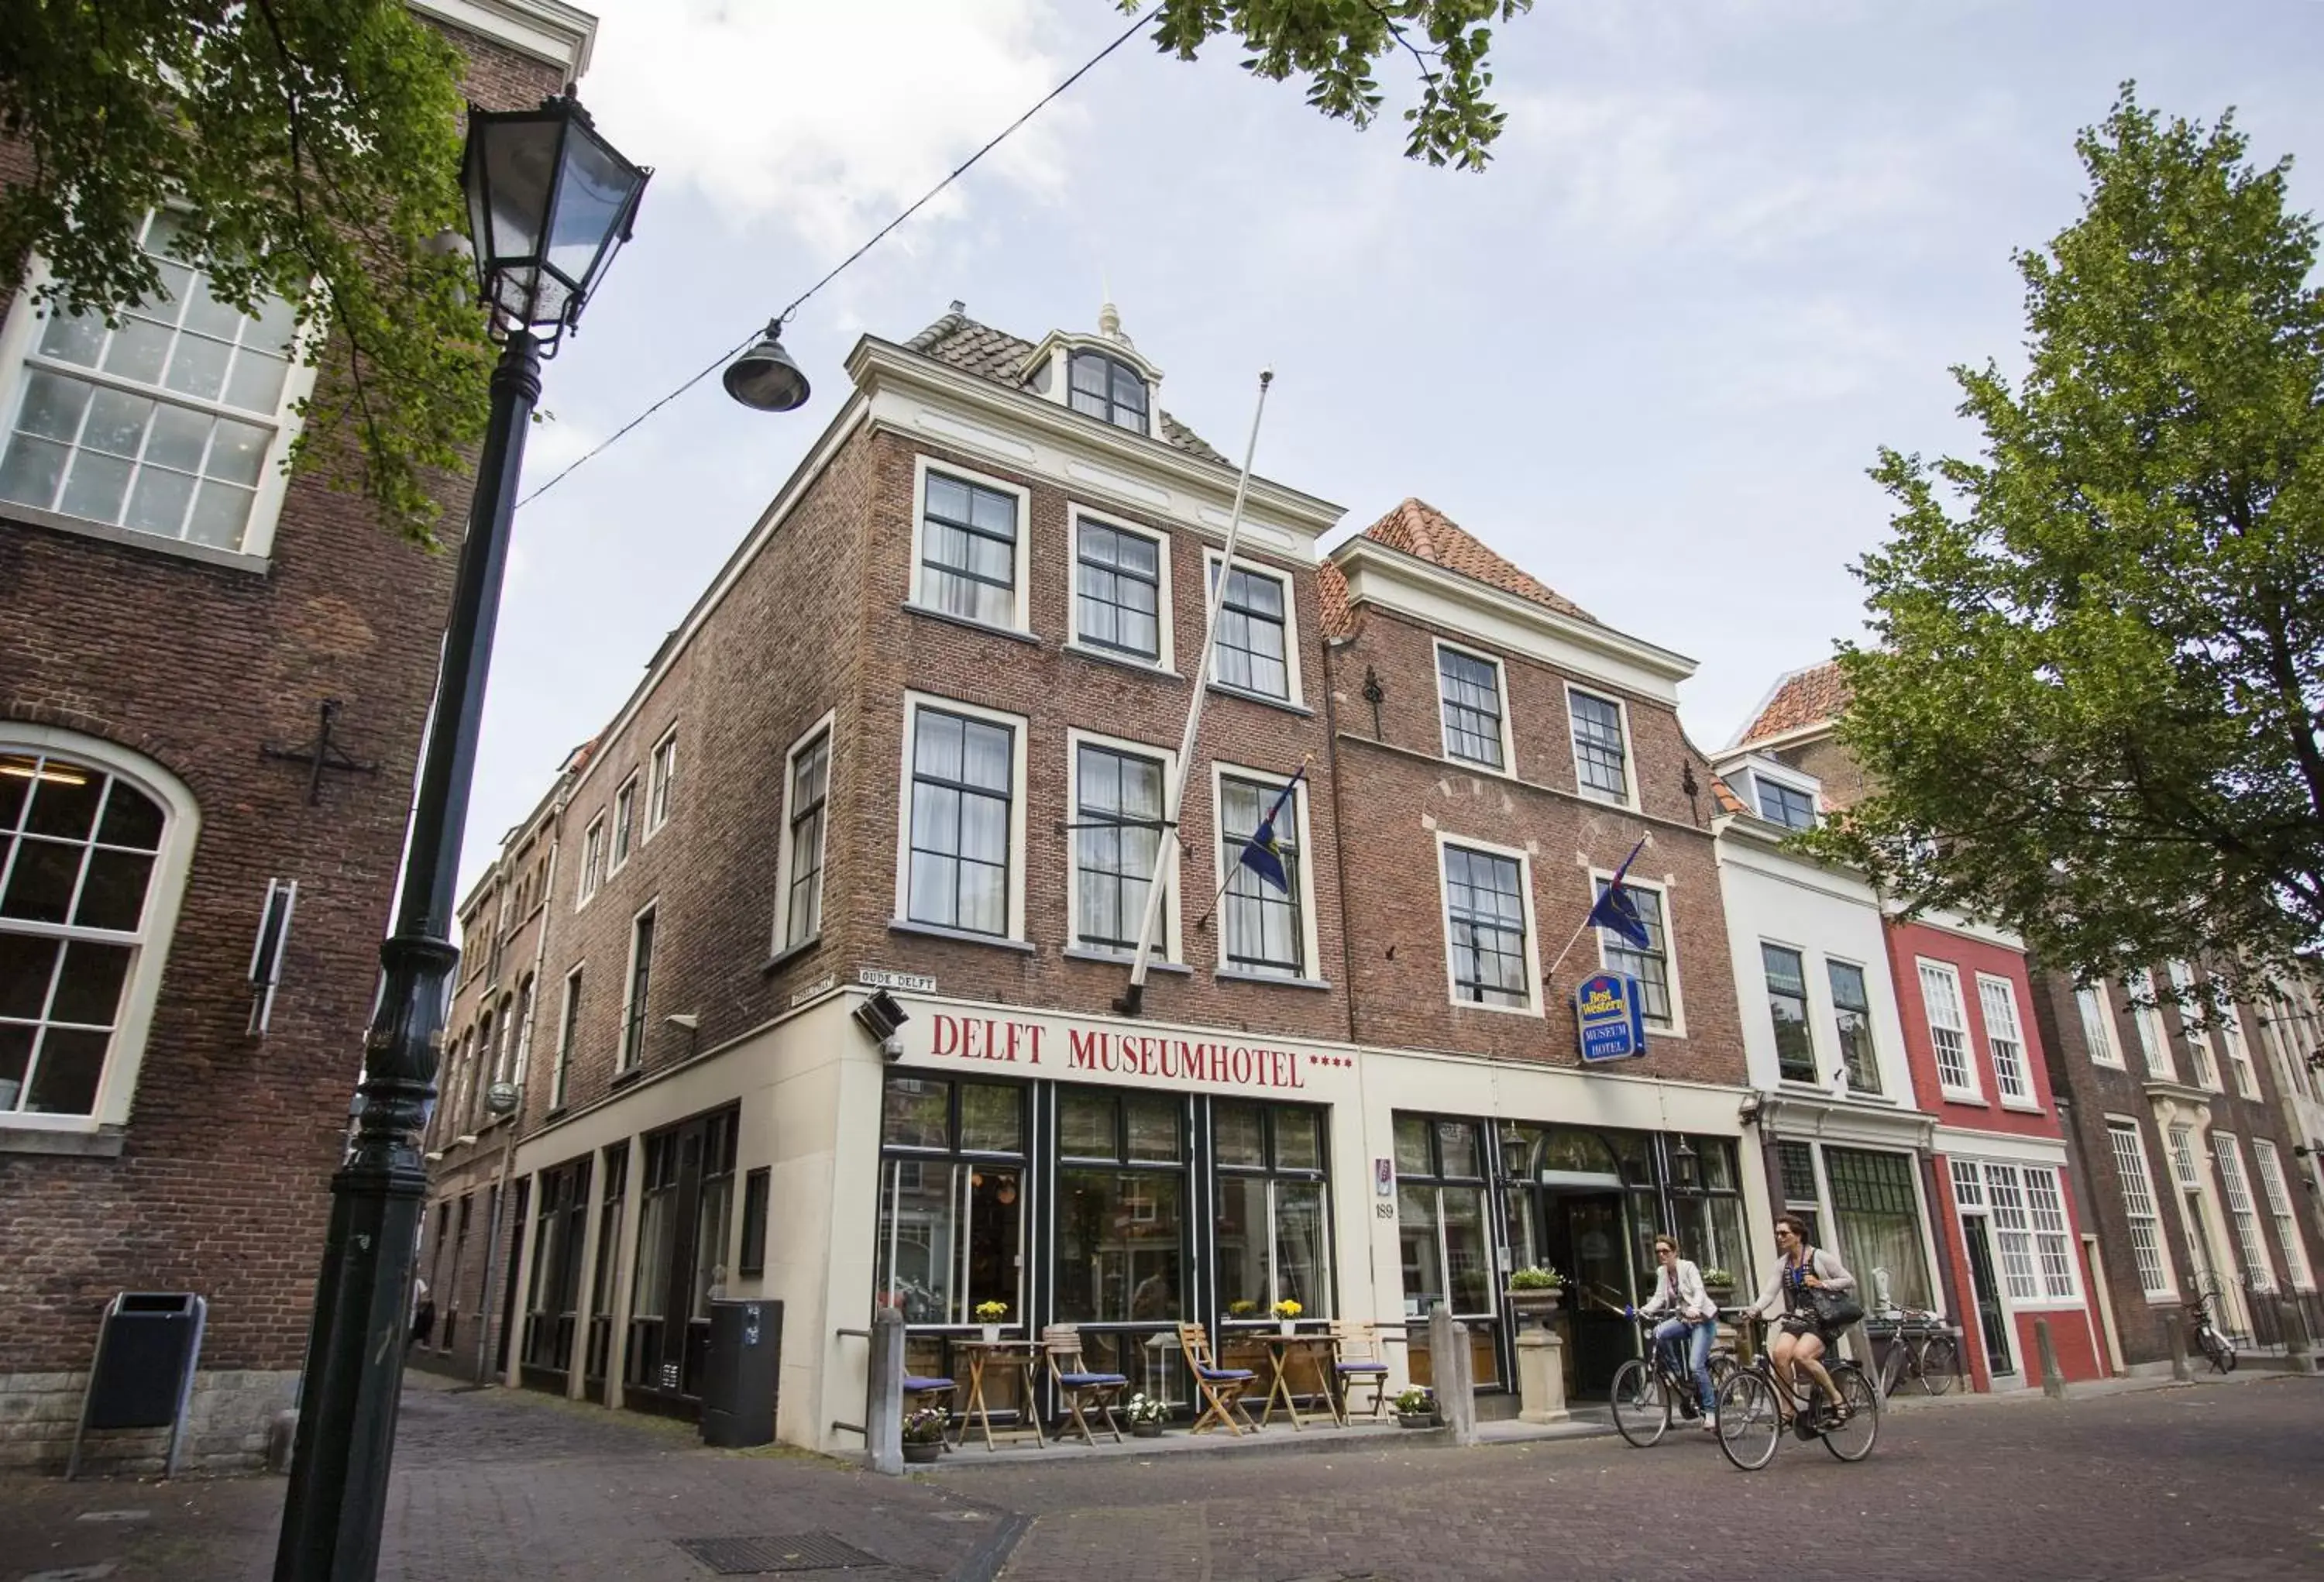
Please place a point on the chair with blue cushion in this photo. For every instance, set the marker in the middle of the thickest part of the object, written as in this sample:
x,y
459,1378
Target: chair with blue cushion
x,y
926,1390
1221,1388
1081,1388
1356,1363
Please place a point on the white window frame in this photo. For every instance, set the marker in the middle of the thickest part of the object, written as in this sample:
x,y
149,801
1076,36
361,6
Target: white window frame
x,y
624,824
2269,1164
1972,1093
125,1057
2194,1021
626,1059
1171,947
2154,1040
1020,620
2098,1025
1019,729
1310,948
1508,768
1804,786
1166,663
662,777
2242,1211
1882,1068
20,335
592,877
1533,1004
1808,1003
2007,990
787,857
568,1028
1629,748
2238,1051
1292,679
2137,1178
1676,1026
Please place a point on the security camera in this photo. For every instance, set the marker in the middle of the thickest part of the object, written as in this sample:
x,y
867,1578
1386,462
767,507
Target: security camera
x,y
879,1017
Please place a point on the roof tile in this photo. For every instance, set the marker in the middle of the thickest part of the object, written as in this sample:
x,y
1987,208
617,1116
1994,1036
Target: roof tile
x,y
1817,695
960,342
1420,530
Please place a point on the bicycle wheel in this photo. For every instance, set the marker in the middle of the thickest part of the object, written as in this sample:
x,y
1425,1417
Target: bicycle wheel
x,y
2216,1346
1642,1407
1852,1440
1893,1368
1940,1365
1722,1368
1749,1425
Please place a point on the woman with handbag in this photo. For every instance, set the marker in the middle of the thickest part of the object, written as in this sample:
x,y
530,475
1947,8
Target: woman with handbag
x,y
1810,1288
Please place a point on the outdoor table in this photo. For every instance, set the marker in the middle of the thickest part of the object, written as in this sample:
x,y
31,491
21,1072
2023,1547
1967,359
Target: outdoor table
x,y
1022,1356
1280,1347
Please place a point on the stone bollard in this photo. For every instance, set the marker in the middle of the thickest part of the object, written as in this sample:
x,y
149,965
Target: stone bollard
x,y
2297,1350
2175,1329
1540,1375
2053,1381
883,1394
1454,1371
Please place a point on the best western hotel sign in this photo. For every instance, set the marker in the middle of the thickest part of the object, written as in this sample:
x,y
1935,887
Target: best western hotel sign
x,y
1068,1050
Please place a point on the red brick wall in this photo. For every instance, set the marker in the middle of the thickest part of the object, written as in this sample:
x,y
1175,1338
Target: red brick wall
x,y
1909,941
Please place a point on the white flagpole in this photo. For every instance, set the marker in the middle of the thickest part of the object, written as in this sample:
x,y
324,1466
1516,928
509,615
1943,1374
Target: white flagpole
x,y
1165,850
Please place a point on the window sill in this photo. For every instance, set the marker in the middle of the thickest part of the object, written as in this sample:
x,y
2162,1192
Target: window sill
x,y
1144,666
1526,1010
554,1112
1962,1096
897,925
131,539
1476,766
791,953
1124,958
103,1142
2022,1106
1010,632
1235,975
623,1079
1225,691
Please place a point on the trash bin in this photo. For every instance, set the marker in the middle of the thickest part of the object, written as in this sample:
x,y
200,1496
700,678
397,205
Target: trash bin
x,y
739,1374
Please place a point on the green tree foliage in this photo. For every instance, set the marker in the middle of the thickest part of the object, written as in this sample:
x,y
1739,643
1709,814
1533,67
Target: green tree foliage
x,y
1336,43
2092,708
315,146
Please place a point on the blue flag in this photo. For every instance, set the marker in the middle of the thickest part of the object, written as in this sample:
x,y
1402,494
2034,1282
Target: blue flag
x,y
1616,912
1262,853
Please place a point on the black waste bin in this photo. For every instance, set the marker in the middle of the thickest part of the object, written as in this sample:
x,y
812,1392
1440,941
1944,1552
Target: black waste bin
x,y
740,1376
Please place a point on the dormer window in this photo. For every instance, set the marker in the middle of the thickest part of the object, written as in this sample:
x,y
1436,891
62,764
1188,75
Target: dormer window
x,y
1109,390
1782,804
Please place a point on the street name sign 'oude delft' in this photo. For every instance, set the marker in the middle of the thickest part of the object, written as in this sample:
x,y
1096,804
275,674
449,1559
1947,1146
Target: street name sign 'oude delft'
x,y
1612,1017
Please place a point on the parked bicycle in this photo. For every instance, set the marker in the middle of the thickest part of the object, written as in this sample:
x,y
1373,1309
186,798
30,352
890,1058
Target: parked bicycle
x,y
2209,1339
1751,1423
1647,1392
1921,1347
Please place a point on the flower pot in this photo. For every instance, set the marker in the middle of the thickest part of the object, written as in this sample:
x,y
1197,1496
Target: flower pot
x,y
1415,1420
1537,1305
1289,1327
1724,1295
992,1332
923,1453
1146,1431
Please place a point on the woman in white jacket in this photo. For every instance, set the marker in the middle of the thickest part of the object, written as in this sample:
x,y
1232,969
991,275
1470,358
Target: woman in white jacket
x,y
1798,1337
1678,1290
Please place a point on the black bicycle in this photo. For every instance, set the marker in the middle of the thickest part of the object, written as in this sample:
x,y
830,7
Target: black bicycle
x,y
1922,1347
2207,1337
1647,1392
1751,1422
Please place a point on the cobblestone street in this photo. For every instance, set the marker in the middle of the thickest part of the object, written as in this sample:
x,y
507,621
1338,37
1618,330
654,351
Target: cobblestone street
x,y
2215,1483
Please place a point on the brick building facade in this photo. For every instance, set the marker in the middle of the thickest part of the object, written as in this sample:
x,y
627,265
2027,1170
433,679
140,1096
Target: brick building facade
x,y
166,1122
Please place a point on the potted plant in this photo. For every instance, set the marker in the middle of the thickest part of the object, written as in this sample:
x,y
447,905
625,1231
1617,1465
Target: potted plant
x,y
1146,1414
1534,1292
1286,1313
1416,1407
924,1433
1243,1310
1721,1285
989,1314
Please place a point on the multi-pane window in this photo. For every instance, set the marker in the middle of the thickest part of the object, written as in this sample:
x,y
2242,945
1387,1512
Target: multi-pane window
x,y
2242,1213
1787,1004
963,791
1876,1214
2148,1024
2004,1039
1274,1232
2240,1060
2182,1157
568,1031
951,1201
77,849
810,789
1117,831
1795,1164
1250,652
1118,577
1948,1030
1784,804
2053,1242
1600,757
633,1009
2195,1020
625,818
2013,1230
1485,927
164,425
1851,1010
1265,928
593,858
1469,690
2098,1025
2270,1165
1107,389
968,551
661,778
1122,1216
1651,966
1442,1220
2139,1207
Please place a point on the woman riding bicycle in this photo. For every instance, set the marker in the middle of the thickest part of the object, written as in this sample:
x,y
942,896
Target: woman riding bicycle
x,y
1799,1339
1678,1288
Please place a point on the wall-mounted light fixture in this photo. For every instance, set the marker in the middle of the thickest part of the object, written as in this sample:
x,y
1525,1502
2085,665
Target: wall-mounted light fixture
x,y
880,1017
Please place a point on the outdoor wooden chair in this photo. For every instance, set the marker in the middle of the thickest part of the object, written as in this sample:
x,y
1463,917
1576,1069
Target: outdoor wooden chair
x,y
928,1390
1222,1388
1081,1388
1356,1363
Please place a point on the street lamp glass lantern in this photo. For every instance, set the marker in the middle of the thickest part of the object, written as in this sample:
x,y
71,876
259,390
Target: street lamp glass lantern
x,y
549,202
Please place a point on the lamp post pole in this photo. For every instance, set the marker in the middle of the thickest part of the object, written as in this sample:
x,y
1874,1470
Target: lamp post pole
x,y
338,1496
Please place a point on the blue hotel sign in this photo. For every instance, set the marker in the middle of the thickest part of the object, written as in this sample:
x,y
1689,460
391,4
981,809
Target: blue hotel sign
x,y
1613,1022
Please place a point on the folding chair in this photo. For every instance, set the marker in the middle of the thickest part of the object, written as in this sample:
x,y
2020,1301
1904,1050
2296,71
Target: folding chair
x,y
1222,1388
1357,1363
926,1390
1078,1386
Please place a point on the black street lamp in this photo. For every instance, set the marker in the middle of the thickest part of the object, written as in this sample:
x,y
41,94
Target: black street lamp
x,y
548,203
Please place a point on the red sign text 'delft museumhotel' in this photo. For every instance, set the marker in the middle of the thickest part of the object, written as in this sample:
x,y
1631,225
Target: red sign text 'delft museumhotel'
x,y
1079,1051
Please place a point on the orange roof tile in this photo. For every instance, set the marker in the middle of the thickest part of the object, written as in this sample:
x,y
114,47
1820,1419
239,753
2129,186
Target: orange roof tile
x,y
1332,593
1419,529
1724,794
1817,695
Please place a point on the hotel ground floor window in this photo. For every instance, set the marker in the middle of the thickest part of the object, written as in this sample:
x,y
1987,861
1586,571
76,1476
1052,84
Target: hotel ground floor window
x,y
1121,1253
688,1190
951,1208
1876,1214
553,1296
1441,1225
1273,1240
604,1280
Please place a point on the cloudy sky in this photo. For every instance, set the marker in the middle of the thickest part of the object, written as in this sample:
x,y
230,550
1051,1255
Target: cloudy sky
x,y
1727,249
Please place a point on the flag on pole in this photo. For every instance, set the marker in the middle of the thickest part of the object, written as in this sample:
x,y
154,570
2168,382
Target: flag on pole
x,y
1262,853
1616,912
